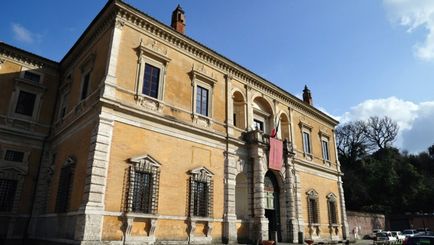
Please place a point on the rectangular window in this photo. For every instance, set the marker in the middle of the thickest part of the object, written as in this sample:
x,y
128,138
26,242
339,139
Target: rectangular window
x,y
333,213
85,87
235,119
313,211
202,100
200,199
14,156
151,81
7,194
258,124
25,103
63,105
64,190
142,195
32,76
306,142
325,150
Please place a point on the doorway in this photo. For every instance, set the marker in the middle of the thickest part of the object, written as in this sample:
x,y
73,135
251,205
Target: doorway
x,y
272,206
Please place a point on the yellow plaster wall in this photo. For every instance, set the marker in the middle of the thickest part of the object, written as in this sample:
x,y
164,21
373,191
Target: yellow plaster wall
x,y
100,49
315,138
324,187
172,230
177,157
69,147
178,89
111,229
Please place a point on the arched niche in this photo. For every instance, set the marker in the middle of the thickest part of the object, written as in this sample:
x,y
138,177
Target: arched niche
x,y
239,116
241,196
262,115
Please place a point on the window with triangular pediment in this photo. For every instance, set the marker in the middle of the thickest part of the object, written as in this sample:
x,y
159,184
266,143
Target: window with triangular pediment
x,y
144,179
201,192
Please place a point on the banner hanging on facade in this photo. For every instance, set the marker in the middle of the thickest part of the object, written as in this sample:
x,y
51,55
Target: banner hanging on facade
x,y
275,156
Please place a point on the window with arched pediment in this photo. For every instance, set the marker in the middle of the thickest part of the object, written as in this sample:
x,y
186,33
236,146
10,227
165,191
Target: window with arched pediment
x,y
144,179
201,192
64,189
313,207
332,208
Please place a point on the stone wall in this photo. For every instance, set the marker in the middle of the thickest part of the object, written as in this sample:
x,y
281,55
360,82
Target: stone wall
x,y
365,222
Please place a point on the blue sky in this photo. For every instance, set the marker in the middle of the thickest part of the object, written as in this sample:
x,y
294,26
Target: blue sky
x,y
360,58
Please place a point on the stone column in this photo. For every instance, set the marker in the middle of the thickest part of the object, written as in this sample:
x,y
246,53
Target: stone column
x,y
230,217
291,225
89,221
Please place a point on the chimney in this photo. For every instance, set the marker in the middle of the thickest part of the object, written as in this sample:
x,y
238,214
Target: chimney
x,y
178,20
307,96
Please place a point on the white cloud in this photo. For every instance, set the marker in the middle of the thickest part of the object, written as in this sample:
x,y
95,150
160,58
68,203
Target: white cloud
x,y
414,14
22,34
415,120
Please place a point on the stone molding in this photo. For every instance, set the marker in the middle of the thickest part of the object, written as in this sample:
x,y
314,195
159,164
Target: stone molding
x,y
27,59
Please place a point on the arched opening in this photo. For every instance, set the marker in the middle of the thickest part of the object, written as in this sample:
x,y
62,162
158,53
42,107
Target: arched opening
x,y
241,196
262,115
272,206
239,110
284,127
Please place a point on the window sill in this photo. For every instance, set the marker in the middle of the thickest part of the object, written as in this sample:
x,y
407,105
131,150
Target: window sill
x,y
20,167
199,218
308,156
201,120
327,162
149,103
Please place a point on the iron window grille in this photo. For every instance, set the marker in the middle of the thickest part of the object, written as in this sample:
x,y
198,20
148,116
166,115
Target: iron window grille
x,y
32,76
201,193
65,185
14,156
7,194
144,179
332,208
25,103
313,207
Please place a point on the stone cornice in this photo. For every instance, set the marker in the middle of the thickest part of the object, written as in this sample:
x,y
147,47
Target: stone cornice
x,y
161,31
101,23
24,57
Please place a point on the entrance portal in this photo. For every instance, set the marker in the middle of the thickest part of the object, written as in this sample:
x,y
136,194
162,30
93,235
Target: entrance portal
x,y
272,206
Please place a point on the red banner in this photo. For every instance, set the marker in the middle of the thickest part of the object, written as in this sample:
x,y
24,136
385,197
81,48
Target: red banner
x,y
275,156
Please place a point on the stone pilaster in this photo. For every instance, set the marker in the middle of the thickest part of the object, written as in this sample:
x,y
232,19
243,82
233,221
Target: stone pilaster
x,y
249,108
230,217
291,221
345,230
229,105
89,221
344,221
261,221
109,91
298,206
41,198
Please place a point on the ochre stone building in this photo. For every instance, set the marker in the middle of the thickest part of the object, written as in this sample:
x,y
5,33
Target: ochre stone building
x,y
142,135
